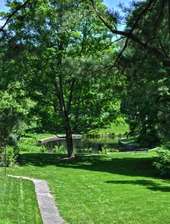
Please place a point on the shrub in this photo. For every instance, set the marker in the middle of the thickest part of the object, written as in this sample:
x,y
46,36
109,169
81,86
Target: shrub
x,y
14,110
12,154
163,162
8,156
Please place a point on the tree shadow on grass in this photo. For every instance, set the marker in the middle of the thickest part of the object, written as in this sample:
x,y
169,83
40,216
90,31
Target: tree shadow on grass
x,y
149,184
130,166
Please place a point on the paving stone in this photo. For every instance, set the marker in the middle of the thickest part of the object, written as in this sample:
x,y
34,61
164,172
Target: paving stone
x,y
48,209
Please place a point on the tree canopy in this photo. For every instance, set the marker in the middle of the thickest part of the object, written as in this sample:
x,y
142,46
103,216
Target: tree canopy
x,y
72,60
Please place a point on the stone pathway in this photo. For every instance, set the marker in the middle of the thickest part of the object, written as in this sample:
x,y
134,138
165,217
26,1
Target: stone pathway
x,y
49,211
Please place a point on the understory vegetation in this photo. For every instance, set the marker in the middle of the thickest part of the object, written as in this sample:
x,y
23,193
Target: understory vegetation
x,y
163,162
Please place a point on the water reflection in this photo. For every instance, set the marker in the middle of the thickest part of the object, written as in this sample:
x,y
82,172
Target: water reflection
x,y
96,144
93,144
86,144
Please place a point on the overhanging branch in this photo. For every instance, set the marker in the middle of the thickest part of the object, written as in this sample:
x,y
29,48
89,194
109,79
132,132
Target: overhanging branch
x,y
130,34
11,15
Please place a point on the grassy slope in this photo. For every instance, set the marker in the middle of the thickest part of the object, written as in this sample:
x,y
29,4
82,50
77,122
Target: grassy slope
x,y
115,189
17,202
113,128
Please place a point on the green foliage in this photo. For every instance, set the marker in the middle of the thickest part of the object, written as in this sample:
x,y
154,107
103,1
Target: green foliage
x,y
119,127
14,107
11,156
146,101
29,142
163,162
59,149
67,56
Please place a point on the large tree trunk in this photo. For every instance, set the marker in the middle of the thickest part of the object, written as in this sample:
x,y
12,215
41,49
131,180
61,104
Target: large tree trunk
x,y
69,139
64,111
59,87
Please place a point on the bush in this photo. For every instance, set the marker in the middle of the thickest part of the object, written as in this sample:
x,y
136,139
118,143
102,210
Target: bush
x,y
163,162
12,155
10,158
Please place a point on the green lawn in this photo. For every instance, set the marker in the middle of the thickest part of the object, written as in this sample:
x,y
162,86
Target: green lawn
x,y
119,188
18,204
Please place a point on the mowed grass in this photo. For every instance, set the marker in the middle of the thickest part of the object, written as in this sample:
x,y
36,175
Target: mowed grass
x,y
119,188
18,203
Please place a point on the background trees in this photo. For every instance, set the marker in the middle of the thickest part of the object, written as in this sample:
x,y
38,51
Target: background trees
x,y
64,54
147,99
15,104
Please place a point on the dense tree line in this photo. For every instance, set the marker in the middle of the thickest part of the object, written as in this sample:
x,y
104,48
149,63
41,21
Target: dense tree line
x,y
147,101
61,53
74,70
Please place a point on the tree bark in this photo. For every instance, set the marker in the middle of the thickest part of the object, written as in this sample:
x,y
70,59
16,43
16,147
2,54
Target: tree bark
x,y
59,88
65,116
69,138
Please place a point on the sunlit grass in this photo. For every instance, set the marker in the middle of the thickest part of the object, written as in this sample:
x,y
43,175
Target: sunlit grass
x,y
112,129
114,188
17,202
120,188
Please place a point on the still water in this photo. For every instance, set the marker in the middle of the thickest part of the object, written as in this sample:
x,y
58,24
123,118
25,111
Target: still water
x,y
94,144
83,144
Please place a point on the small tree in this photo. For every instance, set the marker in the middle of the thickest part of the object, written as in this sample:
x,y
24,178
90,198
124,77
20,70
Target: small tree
x,y
14,108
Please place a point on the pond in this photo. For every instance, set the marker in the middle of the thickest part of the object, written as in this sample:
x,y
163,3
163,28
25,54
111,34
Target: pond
x,y
91,144
96,144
